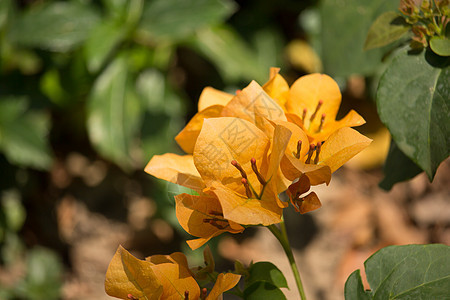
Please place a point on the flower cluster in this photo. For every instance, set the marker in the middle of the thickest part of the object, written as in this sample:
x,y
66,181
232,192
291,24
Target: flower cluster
x,y
164,277
244,150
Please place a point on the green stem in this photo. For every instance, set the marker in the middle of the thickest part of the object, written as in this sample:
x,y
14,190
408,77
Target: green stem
x,y
282,237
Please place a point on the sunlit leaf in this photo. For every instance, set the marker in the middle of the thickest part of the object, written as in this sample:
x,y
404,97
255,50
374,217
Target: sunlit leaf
x,y
58,26
404,272
114,113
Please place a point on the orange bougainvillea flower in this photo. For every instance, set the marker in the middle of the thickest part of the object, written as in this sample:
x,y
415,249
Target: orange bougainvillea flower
x,y
159,277
312,102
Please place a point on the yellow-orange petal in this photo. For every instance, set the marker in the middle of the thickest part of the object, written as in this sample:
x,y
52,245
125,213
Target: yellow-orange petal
x,y
222,140
210,96
179,169
277,87
293,168
252,102
128,275
342,145
242,210
174,275
223,283
308,90
188,136
192,211
352,119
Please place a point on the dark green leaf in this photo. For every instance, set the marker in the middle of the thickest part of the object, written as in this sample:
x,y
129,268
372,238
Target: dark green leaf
x,y
231,54
172,20
398,167
23,134
345,24
404,272
58,26
413,102
114,113
440,45
263,290
387,28
267,272
354,289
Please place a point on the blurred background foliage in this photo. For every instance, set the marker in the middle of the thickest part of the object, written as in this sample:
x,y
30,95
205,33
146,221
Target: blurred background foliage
x,y
90,90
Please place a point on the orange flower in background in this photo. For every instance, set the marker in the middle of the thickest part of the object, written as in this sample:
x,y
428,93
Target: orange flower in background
x,y
312,102
159,277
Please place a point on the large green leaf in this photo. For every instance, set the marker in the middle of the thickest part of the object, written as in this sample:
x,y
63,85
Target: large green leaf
x,y
23,134
114,113
171,20
404,272
387,28
58,26
413,102
267,272
345,24
397,167
231,54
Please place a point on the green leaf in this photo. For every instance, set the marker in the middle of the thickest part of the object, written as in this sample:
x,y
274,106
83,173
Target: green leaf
x,y
405,272
44,276
345,24
354,289
57,26
413,102
114,113
398,167
234,58
440,45
13,209
23,134
172,20
263,290
101,42
267,272
387,28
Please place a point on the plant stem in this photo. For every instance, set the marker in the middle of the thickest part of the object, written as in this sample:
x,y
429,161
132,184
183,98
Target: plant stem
x,y
282,237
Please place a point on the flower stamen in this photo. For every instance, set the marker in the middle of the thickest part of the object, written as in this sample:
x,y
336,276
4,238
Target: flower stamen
x,y
203,295
299,148
304,114
186,295
322,121
316,159
317,109
310,153
248,192
215,222
239,167
131,297
258,175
